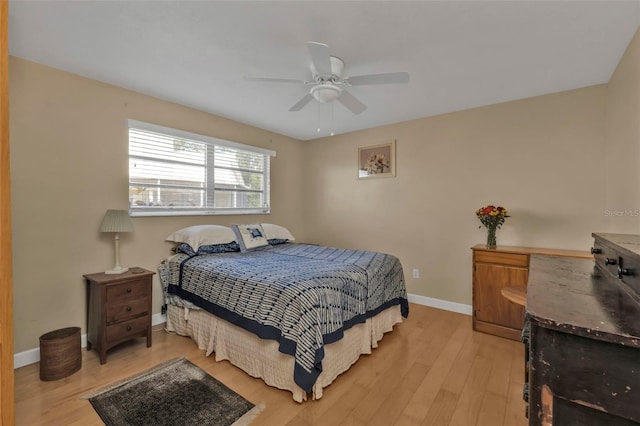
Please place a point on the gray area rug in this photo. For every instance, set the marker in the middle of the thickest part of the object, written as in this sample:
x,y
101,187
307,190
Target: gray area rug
x,y
174,393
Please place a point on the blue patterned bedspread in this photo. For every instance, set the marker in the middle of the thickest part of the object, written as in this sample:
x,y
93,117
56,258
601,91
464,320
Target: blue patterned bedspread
x,y
302,296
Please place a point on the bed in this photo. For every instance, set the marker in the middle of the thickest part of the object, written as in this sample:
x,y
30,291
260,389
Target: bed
x,y
309,311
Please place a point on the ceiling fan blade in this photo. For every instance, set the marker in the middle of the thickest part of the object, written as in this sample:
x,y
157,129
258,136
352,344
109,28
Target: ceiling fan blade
x,y
386,78
302,102
275,80
350,101
320,57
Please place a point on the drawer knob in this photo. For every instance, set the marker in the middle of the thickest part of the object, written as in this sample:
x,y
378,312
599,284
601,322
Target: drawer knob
x,y
595,250
624,271
128,308
609,261
128,328
129,290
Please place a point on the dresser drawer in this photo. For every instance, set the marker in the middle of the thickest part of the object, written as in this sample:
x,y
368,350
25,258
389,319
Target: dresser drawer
x,y
129,290
602,374
127,329
129,309
501,258
619,265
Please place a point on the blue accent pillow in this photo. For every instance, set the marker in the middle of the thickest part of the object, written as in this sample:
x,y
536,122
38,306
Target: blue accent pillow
x,y
208,249
219,248
186,249
276,241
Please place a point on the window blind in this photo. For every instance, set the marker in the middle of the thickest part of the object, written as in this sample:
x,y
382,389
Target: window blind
x,y
172,172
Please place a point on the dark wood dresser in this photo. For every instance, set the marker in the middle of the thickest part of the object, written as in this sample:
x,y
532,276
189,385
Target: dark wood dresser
x,y
583,326
118,309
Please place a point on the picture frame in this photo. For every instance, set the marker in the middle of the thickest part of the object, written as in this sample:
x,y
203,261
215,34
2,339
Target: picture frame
x,y
377,161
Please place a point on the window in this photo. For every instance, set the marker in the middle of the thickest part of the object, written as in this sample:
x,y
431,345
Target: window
x,y
172,172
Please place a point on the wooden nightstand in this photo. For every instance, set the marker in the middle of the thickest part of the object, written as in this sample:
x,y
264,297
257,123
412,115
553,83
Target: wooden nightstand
x,y
118,309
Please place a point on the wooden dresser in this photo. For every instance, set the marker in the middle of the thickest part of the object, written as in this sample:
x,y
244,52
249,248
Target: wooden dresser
x,y
495,269
118,309
584,336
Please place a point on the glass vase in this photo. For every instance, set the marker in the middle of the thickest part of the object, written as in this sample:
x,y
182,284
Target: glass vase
x,y
491,238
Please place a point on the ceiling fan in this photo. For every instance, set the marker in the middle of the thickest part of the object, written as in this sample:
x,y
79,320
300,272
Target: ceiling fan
x,y
328,84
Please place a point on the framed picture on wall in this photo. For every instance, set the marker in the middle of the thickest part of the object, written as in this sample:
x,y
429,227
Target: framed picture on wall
x,y
377,161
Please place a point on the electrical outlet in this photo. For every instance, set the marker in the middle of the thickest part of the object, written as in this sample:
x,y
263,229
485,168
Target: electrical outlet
x,y
416,273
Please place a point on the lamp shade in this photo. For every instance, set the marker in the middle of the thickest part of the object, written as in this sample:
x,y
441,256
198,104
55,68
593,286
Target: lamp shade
x,y
116,221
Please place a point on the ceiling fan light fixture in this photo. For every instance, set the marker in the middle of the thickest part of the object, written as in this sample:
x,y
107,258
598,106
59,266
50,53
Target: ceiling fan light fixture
x,y
328,84
326,92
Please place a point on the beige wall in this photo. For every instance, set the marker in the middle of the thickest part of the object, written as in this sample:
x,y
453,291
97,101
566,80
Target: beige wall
x,y
540,158
69,164
622,166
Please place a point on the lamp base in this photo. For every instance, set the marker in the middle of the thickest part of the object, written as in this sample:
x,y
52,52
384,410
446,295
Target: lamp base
x,y
115,271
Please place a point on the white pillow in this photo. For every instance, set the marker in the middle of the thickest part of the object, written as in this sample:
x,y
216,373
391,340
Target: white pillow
x,y
203,235
276,232
250,236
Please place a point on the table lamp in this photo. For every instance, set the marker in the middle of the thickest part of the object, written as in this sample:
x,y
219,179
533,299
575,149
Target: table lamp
x,y
116,221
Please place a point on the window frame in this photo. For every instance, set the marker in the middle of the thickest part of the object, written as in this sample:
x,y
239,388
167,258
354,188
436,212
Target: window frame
x,y
211,141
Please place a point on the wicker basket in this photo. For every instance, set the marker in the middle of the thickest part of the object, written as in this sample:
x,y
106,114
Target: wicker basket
x,y
60,354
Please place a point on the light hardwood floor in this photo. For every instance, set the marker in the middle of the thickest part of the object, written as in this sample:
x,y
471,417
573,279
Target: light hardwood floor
x,y
431,370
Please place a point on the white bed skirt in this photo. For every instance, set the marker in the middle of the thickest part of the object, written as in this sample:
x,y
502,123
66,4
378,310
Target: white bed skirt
x,y
240,347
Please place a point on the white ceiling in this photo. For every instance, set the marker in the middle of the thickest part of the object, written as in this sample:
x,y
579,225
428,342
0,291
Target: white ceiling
x,y
460,54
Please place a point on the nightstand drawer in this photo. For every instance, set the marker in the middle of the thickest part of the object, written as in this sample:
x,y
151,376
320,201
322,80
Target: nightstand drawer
x,y
129,309
127,329
129,290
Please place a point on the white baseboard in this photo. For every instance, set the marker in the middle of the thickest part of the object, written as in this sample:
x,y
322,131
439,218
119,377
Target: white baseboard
x,y
32,356
28,357
460,308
